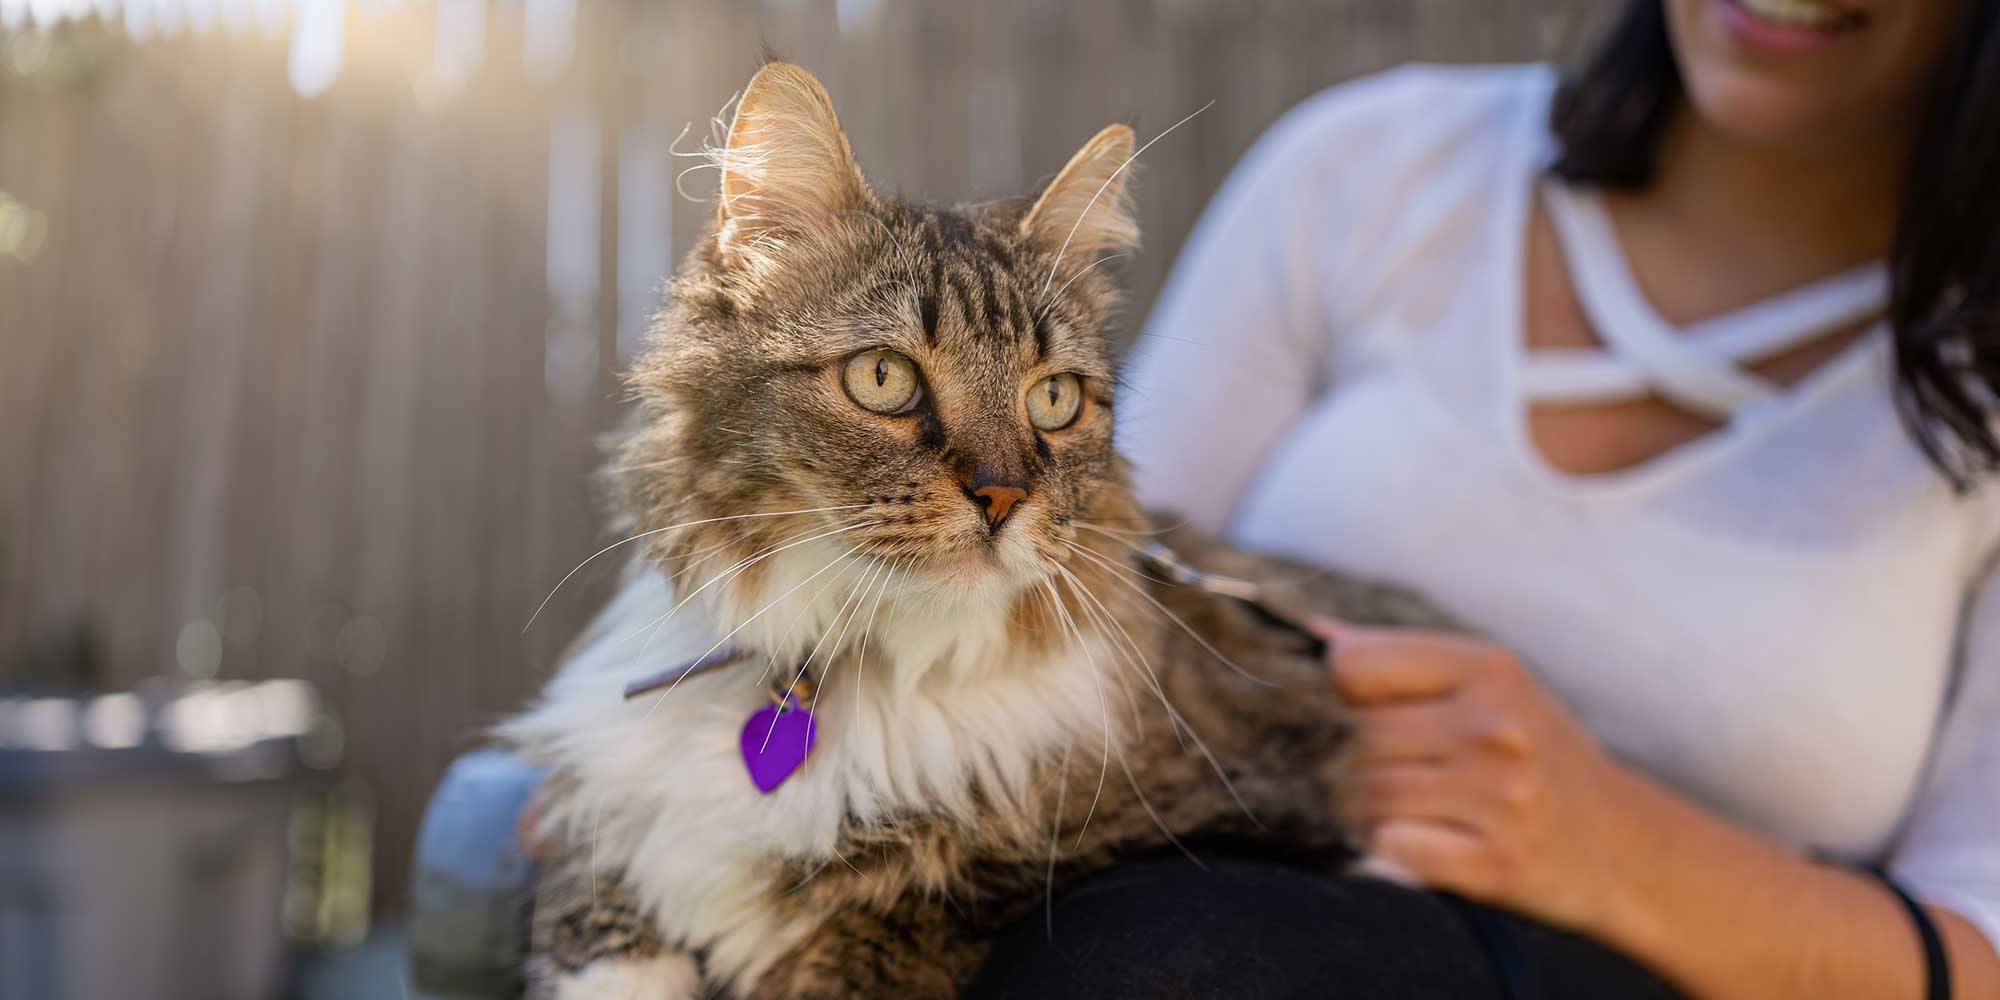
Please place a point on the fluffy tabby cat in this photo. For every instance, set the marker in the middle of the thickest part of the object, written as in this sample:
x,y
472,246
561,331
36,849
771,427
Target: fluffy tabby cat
x,y
875,440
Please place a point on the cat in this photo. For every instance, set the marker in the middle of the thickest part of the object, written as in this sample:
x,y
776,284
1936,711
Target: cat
x,y
873,449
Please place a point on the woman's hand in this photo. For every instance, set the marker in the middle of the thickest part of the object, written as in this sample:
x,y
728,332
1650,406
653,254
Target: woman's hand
x,y
1470,776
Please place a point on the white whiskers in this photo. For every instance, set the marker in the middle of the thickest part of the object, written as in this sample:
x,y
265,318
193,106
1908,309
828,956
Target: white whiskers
x,y
861,663
1101,188
837,560
1119,573
740,567
1173,715
1055,841
1104,707
1043,308
671,527
1126,649
771,662
856,595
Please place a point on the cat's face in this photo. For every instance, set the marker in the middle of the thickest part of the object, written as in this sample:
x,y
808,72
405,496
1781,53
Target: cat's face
x,y
934,385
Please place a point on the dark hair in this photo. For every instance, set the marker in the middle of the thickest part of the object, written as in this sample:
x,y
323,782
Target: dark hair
x,y
1944,267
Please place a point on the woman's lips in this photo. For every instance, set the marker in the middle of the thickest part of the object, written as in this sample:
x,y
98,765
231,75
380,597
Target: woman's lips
x,y
1788,27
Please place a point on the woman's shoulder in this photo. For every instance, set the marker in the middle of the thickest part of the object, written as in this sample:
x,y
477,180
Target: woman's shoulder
x,y
1418,157
1405,117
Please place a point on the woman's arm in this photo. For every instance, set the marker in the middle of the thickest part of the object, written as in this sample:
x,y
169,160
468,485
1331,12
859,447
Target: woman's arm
x,y
1234,349
1473,779
1725,913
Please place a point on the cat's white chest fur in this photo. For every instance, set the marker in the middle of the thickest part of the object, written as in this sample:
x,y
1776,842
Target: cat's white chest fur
x,y
663,796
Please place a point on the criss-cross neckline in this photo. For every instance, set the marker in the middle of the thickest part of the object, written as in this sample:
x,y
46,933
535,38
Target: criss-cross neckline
x,y
1703,367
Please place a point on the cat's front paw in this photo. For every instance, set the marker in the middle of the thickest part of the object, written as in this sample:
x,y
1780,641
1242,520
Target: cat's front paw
x,y
670,976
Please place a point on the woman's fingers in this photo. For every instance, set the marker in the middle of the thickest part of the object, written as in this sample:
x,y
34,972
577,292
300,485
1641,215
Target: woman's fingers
x,y
1330,629
1456,749
1438,855
1405,791
1412,731
1378,665
1462,793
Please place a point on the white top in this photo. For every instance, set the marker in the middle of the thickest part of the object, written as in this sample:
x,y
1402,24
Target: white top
x,y
1788,619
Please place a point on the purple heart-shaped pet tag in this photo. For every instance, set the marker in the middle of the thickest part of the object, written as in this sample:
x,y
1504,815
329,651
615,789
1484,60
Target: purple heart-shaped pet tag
x,y
776,741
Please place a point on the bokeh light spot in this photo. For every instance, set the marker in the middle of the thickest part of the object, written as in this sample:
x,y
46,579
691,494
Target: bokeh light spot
x,y
199,650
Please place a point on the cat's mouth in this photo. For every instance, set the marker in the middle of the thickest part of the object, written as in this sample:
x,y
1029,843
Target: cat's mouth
x,y
978,558
981,553
981,560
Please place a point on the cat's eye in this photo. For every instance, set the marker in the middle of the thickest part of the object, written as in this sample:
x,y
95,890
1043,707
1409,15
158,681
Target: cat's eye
x,y
1054,401
882,380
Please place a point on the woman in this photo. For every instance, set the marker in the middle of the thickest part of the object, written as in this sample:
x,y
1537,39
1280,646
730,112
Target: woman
x,y
1677,379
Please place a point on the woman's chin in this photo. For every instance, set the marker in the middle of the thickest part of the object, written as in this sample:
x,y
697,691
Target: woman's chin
x,y
1808,77
1762,111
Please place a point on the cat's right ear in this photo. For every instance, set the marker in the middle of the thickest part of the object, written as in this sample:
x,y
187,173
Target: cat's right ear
x,y
787,168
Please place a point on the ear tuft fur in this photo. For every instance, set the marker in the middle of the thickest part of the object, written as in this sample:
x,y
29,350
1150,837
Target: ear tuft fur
x,y
786,167
1088,207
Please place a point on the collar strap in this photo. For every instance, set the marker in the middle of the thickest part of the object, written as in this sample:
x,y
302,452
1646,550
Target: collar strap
x,y
1167,564
801,689
672,675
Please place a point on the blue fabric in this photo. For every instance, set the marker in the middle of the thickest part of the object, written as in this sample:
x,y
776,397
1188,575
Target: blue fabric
x,y
471,885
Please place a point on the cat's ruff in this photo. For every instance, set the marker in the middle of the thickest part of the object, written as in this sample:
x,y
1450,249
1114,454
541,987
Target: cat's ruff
x,y
942,710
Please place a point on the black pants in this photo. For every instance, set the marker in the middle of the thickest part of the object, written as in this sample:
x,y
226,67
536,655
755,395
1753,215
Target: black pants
x,y
1251,930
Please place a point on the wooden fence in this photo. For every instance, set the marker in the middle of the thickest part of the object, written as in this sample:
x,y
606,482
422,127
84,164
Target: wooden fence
x,y
308,386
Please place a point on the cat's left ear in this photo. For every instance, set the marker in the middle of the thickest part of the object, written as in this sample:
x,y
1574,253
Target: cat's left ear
x,y
1088,207
787,167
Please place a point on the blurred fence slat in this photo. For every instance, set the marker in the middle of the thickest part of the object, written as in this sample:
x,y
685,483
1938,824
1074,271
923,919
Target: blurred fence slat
x,y
298,368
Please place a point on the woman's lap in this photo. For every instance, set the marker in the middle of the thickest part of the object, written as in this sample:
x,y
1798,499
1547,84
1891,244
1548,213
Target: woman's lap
x,y
1247,929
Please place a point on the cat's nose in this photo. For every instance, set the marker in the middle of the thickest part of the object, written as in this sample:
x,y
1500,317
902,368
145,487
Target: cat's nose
x,y
996,500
